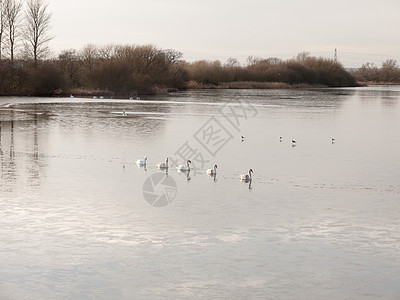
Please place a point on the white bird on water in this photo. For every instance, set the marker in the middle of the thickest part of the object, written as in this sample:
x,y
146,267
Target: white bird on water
x,y
142,162
162,165
246,177
184,168
212,171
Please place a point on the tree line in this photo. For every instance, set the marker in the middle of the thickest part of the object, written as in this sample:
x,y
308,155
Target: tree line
x,y
28,68
129,70
389,72
303,69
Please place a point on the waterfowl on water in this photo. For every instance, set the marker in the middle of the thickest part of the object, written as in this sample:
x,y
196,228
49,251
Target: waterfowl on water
x,y
212,171
184,168
162,165
142,162
246,177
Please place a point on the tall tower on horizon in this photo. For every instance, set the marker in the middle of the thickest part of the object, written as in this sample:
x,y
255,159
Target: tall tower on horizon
x,y
335,55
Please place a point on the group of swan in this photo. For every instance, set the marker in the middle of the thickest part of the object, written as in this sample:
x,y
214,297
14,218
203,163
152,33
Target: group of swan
x,y
186,168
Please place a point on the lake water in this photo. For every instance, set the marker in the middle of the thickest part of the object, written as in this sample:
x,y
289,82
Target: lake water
x,y
320,220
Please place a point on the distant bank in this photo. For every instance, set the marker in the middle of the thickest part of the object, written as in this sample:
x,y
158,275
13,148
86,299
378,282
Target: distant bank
x,y
129,71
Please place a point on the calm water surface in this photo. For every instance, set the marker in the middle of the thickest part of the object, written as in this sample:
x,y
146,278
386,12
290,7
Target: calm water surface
x,y
320,220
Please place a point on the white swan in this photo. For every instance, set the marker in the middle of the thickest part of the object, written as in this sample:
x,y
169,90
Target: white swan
x,y
162,165
212,171
246,177
184,168
142,162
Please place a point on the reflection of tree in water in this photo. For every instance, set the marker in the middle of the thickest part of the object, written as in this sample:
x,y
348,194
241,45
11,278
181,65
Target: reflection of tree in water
x,y
107,118
8,167
20,164
388,98
34,170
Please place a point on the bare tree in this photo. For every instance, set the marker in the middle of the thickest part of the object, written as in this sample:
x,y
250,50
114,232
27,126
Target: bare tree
x,y
369,72
12,11
89,55
69,63
106,52
2,24
389,71
232,62
302,56
173,56
36,29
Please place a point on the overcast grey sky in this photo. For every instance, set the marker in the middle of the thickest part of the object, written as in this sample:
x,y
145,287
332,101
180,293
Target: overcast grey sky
x,y
361,30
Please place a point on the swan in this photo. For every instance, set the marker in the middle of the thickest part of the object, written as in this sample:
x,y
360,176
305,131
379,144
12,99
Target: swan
x,y
142,162
162,165
212,171
245,177
183,167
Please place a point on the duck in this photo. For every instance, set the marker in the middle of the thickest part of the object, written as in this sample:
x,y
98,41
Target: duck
x,y
142,162
162,165
212,171
246,177
184,168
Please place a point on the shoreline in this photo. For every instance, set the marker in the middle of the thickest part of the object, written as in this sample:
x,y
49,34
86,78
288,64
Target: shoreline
x,y
194,86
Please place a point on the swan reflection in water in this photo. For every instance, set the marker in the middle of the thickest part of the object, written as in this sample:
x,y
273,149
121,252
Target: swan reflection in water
x,y
164,170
